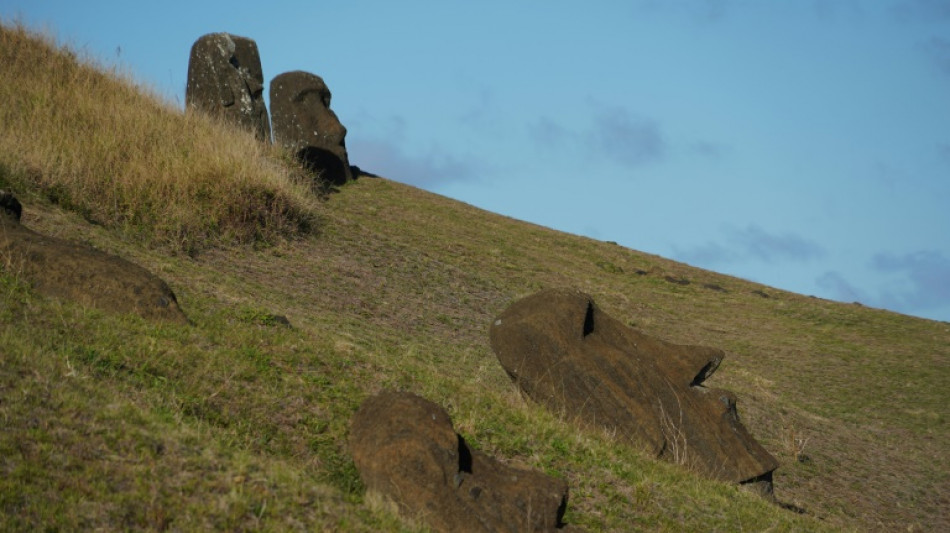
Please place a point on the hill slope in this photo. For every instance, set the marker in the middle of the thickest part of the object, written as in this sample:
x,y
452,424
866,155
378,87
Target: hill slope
x,y
237,422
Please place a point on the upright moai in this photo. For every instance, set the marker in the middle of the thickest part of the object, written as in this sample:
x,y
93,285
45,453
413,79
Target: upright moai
x,y
225,79
305,124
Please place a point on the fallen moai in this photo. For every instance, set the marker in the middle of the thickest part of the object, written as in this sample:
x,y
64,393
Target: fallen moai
x,y
69,271
567,354
405,448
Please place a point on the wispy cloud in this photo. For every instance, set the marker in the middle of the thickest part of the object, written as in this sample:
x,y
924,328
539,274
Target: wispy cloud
x,y
708,254
944,151
938,50
838,288
388,158
384,152
752,243
708,149
714,9
925,276
775,247
547,133
917,283
927,10
614,133
699,10
626,138
483,114
837,9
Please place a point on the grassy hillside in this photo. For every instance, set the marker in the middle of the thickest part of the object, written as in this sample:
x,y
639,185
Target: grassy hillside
x,y
239,422
96,144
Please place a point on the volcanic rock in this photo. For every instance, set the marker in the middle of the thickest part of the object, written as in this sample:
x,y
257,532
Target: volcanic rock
x,y
305,124
64,270
406,449
567,354
225,79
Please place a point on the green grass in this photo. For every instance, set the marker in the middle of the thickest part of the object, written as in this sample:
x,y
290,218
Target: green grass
x,y
241,422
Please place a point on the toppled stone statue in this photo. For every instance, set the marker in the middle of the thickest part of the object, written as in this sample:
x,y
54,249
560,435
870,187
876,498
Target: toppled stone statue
x,y
305,124
405,448
567,354
61,269
225,79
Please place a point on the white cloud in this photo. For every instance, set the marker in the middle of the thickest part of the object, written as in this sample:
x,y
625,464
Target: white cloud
x,y
626,138
925,280
838,288
752,243
388,159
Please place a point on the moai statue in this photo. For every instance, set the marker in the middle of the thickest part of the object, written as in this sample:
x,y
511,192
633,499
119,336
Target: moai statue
x,y
225,79
71,271
304,123
406,449
567,354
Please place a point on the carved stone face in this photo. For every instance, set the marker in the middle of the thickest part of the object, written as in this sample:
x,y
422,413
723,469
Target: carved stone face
x,y
567,354
406,449
225,78
304,122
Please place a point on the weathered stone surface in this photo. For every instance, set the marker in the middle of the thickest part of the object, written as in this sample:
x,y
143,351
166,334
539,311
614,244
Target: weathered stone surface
x,y
61,269
225,78
304,123
567,354
406,449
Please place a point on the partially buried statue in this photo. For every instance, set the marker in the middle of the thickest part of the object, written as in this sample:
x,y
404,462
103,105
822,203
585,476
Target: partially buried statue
x,y
406,449
304,123
225,79
567,354
70,271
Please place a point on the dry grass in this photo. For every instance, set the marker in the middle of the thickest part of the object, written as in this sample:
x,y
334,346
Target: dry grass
x,y
95,143
238,422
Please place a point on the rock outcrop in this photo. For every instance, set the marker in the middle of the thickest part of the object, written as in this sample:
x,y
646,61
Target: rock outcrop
x,y
64,270
567,354
406,449
225,79
305,124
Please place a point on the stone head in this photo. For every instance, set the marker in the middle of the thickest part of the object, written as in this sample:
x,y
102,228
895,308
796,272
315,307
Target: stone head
x,y
567,354
304,123
225,78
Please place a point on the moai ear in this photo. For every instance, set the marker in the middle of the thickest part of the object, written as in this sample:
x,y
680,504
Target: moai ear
x,y
226,95
253,86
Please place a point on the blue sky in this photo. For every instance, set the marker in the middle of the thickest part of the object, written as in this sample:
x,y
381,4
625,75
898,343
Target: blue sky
x,y
804,144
